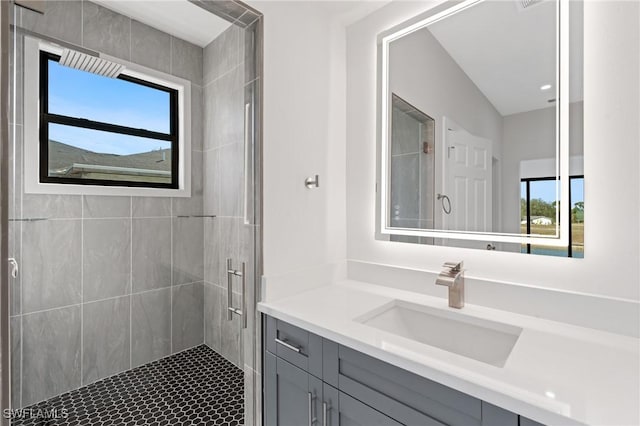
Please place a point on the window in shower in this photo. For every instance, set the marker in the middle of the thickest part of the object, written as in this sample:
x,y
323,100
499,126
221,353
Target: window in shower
x,y
125,134
105,131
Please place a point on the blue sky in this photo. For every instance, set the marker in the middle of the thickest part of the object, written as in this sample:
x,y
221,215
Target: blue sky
x,y
85,95
546,190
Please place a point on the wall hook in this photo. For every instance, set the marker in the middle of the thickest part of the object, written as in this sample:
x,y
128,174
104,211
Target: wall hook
x,y
312,182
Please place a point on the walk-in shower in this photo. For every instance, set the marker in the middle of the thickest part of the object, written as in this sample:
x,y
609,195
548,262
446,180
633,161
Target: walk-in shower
x,y
132,200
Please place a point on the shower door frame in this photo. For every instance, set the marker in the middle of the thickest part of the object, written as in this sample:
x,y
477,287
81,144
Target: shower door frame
x,y
221,9
5,361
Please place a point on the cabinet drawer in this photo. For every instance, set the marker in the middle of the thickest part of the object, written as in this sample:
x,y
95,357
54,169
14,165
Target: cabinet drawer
x,y
375,382
298,346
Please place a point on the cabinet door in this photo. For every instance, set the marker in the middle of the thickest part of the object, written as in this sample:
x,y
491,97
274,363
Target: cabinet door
x,y
402,395
352,412
292,396
330,406
527,422
339,409
496,416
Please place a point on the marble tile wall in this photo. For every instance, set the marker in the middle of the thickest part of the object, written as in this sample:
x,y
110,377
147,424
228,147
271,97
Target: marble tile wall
x,y
228,235
106,283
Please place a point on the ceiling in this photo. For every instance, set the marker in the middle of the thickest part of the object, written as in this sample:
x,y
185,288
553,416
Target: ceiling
x,y
509,52
350,11
180,18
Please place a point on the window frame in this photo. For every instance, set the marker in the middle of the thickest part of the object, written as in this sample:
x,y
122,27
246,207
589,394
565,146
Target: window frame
x,y
46,118
527,182
36,179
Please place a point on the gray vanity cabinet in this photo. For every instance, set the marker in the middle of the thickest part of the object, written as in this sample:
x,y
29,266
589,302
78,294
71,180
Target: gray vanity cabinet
x,y
316,382
292,396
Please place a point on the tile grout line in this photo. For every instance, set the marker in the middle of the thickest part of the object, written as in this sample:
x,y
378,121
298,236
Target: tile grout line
x,y
50,219
82,22
218,147
82,199
130,282
204,288
171,283
206,84
102,300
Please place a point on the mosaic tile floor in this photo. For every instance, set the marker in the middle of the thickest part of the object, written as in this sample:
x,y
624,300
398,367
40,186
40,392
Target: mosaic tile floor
x,y
194,387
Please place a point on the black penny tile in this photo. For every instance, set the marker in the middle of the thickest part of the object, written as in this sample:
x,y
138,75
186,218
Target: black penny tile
x,y
193,387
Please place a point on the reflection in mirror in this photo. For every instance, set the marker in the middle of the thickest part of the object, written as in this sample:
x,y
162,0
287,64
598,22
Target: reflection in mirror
x,y
473,127
412,166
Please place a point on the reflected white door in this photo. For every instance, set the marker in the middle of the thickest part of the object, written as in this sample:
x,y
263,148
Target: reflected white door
x,y
468,180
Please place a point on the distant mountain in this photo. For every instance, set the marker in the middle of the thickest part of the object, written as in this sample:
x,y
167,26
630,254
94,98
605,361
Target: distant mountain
x,y
63,156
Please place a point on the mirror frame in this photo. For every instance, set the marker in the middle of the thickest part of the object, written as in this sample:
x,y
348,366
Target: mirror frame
x,y
383,130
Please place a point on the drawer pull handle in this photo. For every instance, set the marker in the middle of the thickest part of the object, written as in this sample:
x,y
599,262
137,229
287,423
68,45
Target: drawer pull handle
x,y
287,345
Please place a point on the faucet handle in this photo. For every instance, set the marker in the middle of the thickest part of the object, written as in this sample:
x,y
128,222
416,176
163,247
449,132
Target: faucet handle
x,y
454,266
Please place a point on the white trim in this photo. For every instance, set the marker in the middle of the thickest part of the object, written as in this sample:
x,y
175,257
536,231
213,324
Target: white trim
x,y
562,137
32,184
546,167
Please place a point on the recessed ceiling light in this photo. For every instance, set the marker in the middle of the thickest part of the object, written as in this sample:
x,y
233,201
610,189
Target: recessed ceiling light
x,y
545,87
550,394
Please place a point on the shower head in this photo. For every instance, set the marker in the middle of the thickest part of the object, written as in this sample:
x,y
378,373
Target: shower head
x,y
94,64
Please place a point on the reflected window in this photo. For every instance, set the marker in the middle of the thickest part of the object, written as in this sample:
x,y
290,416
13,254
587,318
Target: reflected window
x,y
99,130
539,210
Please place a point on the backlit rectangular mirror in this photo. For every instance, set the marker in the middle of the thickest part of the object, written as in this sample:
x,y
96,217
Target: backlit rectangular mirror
x,y
480,118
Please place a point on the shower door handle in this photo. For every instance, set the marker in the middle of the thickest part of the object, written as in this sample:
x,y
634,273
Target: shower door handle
x,y
248,160
244,297
230,308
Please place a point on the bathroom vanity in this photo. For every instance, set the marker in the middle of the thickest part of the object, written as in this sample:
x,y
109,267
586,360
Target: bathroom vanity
x,y
359,353
312,380
370,340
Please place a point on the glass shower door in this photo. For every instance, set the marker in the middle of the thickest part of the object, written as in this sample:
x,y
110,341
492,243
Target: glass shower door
x,y
232,194
110,286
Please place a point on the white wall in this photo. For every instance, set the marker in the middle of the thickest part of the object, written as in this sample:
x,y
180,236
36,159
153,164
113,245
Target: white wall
x,y
442,90
611,149
304,134
530,136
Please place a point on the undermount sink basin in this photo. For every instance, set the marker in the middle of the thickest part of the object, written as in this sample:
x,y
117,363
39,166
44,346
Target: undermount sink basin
x,y
486,341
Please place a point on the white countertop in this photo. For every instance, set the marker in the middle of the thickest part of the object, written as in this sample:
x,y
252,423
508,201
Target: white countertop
x,y
556,374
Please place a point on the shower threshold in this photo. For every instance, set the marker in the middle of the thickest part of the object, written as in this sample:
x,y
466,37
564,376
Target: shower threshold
x,y
194,387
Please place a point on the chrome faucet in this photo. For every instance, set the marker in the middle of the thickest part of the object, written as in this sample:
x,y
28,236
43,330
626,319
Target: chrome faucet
x,y
453,277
